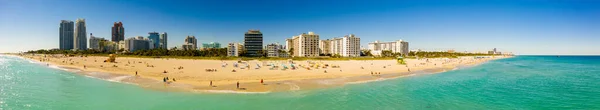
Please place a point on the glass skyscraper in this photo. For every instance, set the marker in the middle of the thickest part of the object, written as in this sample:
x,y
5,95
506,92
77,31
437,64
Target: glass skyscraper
x,y
65,33
163,40
155,39
118,32
253,43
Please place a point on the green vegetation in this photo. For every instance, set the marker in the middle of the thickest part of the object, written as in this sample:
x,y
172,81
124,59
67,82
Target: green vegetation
x,y
221,54
442,54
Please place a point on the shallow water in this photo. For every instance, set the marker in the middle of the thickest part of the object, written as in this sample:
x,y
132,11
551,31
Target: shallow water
x,y
523,82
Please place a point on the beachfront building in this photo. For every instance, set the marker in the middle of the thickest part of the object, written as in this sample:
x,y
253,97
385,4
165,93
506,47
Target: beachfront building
x,y
80,39
347,46
191,43
325,47
95,42
253,42
234,49
118,32
137,43
163,40
155,39
120,45
211,45
398,46
187,47
305,45
108,46
65,34
273,50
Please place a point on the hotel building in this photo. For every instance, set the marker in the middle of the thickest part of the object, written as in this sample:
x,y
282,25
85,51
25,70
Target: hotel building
x,y
234,49
191,43
95,42
347,46
137,43
273,50
305,45
398,46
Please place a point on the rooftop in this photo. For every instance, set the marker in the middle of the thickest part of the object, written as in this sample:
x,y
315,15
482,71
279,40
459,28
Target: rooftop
x,y
253,32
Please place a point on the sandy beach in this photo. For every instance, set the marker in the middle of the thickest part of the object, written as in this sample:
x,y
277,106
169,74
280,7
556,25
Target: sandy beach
x,y
253,76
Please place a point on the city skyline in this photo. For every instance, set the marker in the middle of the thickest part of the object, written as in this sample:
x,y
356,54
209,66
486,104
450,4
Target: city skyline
x,y
522,27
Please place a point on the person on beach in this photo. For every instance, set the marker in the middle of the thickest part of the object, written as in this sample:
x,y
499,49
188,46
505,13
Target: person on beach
x,y
211,84
238,85
164,80
261,81
136,73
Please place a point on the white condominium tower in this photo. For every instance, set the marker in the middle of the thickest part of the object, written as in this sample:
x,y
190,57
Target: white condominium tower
x,y
191,43
234,49
80,40
347,46
163,40
398,46
95,42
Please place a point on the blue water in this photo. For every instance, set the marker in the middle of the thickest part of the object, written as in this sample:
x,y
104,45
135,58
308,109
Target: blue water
x,y
523,82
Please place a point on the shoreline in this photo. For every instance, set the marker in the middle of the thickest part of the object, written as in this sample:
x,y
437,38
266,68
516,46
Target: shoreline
x,y
225,82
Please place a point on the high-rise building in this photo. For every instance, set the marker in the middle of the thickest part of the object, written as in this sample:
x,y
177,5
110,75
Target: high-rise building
x,y
155,39
305,45
118,32
234,49
190,43
325,47
80,35
137,43
347,46
273,50
398,46
65,34
95,42
253,42
163,40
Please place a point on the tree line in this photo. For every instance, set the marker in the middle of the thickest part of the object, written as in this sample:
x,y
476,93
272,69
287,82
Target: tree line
x,y
222,52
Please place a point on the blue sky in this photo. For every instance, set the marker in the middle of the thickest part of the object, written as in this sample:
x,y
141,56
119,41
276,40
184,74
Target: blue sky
x,y
522,27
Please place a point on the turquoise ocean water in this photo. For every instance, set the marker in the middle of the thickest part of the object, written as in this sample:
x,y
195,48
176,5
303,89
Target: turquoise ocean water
x,y
522,82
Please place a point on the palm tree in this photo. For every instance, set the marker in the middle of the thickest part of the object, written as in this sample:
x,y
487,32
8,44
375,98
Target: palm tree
x,y
291,51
